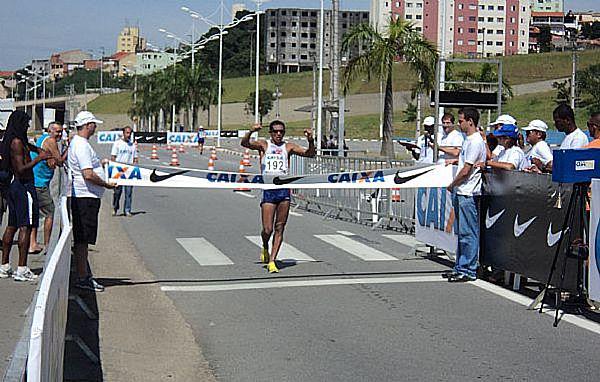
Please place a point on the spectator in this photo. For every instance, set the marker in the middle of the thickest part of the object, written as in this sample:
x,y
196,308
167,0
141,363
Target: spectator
x,y
593,125
466,188
451,140
504,119
2,198
540,154
21,195
86,188
564,120
124,151
422,152
43,173
512,156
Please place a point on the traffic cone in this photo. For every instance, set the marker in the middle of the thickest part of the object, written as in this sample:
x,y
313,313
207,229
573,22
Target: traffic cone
x,y
241,170
181,148
154,155
168,147
211,164
246,159
174,158
213,153
396,195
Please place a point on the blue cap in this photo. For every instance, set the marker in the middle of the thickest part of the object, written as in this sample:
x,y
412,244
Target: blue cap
x,y
510,131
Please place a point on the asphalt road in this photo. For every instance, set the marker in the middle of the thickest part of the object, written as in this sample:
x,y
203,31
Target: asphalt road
x,y
355,306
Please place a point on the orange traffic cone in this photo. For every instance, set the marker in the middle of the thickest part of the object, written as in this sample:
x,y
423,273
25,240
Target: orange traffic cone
x,y
168,147
174,158
181,148
213,153
154,155
246,159
211,164
241,170
396,195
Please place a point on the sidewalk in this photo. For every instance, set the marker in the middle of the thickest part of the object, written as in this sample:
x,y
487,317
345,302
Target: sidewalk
x,y
139,334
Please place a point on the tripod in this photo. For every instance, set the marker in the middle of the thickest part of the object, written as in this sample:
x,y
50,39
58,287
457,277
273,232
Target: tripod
x,y
575,210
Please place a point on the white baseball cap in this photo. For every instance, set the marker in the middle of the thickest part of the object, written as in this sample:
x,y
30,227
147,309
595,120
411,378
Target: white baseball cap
x,y
85,117
536,124
429,121
504,119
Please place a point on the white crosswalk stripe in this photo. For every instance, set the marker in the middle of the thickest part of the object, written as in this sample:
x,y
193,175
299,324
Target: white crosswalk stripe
x,y
203,251
355,248
287,253
407,240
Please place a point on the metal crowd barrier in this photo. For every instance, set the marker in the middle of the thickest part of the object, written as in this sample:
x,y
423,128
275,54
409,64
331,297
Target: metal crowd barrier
x,y
390,209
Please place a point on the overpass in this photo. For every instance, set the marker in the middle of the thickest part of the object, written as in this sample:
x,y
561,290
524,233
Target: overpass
x,y
66,107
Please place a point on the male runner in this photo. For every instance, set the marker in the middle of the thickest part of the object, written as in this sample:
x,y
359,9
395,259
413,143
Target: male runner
x,y
275,205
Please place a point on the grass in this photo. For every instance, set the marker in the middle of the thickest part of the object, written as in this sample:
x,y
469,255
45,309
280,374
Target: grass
x,y
118,103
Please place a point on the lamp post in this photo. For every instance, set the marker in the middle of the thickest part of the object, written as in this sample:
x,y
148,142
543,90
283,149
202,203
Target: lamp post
x,y
257,64
320,82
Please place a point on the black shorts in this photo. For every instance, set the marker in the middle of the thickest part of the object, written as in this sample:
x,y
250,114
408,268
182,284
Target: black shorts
x,y
23,208
84,212
276,196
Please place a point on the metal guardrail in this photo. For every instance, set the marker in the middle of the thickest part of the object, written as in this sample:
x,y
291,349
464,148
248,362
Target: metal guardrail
x,y
390,209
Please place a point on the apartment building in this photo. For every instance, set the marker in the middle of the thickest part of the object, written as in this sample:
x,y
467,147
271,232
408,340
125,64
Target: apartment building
x,y
292,40
150,62
547,6
130,41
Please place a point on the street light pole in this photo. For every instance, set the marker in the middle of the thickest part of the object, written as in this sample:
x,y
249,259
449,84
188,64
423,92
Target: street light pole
x,y
257,63
220,78
320,83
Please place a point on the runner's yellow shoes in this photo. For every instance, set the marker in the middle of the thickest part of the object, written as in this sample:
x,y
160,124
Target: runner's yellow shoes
x,y
272,268
264,256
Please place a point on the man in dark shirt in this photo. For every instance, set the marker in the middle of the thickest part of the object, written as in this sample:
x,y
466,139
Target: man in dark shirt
x,y
21,196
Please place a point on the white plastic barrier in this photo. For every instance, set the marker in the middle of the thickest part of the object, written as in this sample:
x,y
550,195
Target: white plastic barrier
x,y
47,338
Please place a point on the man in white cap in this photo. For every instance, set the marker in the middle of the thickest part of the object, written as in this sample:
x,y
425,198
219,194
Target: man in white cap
x,y
540,154
504,119
86,187
422,151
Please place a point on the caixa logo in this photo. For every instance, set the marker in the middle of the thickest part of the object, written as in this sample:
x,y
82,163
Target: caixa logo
x,y
186,138
432,210
124,172
109,136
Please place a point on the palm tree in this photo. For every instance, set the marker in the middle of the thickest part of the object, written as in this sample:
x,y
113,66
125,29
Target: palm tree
x,y
400,41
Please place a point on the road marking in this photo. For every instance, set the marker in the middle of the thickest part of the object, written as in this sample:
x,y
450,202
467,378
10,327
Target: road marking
x,y
295,213
203,251
526,301
345,233
300,283
355,248
287,253
246,194
164,163
407,240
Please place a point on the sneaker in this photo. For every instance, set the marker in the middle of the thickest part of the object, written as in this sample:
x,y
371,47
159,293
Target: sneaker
x,y
5,271
26,275
128,214
264,256
89,283
460,278
114,212
272,268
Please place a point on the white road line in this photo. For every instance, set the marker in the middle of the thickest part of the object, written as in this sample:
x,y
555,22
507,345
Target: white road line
x,y
345,233
246,194
295,213
355,248
203,251
407,240
287,253
300,283
526,301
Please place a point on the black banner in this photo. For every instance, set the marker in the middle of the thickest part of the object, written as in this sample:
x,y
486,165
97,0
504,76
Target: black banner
x,y
521,226
150,137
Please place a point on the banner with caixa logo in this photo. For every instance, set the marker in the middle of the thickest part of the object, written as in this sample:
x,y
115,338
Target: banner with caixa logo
x,y
594,262
434,219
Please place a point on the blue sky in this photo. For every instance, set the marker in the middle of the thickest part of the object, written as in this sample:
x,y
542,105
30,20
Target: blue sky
x,y
36,28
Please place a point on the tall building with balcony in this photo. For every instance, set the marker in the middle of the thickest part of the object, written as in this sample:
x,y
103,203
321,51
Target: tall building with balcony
x,y
292,41
547,5
130,41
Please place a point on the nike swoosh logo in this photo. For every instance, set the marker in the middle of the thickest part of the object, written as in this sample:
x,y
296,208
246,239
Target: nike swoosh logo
x,y
400,180
278,181
161,138
519,229
553,238
154,177
491,220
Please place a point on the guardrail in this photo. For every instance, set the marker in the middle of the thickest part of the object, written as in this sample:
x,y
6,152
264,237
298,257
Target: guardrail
x,y
391,209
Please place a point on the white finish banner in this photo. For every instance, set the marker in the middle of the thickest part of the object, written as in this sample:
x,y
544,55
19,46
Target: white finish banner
x,y
410,177
108,137
594,238
434,219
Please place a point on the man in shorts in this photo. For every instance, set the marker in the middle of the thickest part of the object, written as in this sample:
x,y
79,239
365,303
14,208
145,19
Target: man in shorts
x,y
43,173
22,200
201,137
86,188
275,206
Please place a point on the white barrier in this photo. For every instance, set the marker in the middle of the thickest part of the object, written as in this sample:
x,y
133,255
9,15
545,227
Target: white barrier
x,y
47,336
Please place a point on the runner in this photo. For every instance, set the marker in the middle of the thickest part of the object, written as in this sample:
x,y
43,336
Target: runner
x,y
201,135
275,205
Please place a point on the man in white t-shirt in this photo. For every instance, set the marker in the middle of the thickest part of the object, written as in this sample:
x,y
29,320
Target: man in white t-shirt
x,y
451,140
564,120
466,188
512,156
124,151
540,154
86,187
423,151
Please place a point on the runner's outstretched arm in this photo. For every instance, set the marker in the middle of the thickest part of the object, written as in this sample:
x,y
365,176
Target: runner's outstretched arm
x,y
258,144
310,152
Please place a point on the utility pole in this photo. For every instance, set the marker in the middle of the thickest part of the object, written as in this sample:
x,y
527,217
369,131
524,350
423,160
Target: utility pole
x,y
335,66
573,71
101,69
313,115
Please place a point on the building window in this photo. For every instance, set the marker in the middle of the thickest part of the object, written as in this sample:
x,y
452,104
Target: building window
x,y
460,6
490,43
294,24
294,13
313,24
273,24
480,30
283,34
460,18
272,34
272,45
303,57
471,30
397,4
522,33
500,7
490,31
313,14
500,19
512,43
512,32
499,43
304,35
344,25
460,31
409,5
313,46
512,20
472,7
313,35
273,13
283,24
419,17
513,8
304,14
481,19
293,58
459,42
482,7
283,13
490,7
283,56
304,24
283,44
472,18
408,17
471,42
294,34
293,45
419,29
490,19
419,5
304,45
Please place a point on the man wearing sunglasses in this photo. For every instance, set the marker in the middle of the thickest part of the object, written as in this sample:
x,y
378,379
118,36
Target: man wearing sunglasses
x,y
275,205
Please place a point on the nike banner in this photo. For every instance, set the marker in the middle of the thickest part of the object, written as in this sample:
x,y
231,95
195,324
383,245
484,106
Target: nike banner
x,y
409,177
521,227
594,265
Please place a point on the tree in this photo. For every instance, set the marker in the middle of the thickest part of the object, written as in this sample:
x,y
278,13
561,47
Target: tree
x,y
588,81
487,73
265,103
563,91
401,41
544,39
591,30
410,113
